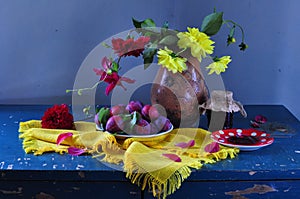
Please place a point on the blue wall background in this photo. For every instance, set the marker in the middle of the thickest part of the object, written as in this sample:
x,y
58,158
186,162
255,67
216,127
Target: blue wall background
x,y
43,43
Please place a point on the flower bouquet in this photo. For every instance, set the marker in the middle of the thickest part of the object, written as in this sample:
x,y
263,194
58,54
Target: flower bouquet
x,y
178,54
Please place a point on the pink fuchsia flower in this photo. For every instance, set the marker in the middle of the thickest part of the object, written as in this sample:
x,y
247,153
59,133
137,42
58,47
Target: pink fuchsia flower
x,y
106,63
173,157
110,76
113,80
129,47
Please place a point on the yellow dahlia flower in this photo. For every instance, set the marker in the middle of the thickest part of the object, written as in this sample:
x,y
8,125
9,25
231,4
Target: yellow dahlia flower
x,y
219,65
169,60
199,42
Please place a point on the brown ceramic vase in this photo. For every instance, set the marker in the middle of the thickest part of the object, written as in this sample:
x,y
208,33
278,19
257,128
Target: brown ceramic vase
x,y
180,94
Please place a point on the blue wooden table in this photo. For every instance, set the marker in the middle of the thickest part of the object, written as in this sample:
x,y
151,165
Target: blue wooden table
x,y
271,172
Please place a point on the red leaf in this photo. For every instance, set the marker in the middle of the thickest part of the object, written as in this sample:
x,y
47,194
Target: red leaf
x,y
62,137
75,151
173,157
212,148
188,144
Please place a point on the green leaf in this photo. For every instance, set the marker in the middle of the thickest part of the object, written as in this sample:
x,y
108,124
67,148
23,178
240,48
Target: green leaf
x,y
149,55
103,115
212,23
232,30
86,110
166,25
164,29
114,66
136,23
143,24
148,23
168,40
133,119
97,109
105,45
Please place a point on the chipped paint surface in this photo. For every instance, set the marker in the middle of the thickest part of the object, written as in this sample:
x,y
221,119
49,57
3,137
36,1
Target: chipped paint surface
x,y
10,166
79,166
133,193
287,190
251,173
2,165
258,189
76,188
81,174
43,195
8,192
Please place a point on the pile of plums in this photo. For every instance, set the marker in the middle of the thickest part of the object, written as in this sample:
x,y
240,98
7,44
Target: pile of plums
x,y
133,119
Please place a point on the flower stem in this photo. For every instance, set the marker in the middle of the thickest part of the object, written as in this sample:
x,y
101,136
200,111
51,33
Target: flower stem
x,y
177,54
79,91
119,59
241,28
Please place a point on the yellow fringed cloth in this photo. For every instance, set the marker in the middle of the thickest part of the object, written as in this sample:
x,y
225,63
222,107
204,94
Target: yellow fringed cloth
x,y
144,159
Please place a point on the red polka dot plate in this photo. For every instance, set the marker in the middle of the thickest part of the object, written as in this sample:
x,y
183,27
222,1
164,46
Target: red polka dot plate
x,y
244,139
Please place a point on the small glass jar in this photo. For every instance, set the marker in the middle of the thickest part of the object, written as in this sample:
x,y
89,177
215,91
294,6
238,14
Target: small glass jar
x,y
220,108
217,117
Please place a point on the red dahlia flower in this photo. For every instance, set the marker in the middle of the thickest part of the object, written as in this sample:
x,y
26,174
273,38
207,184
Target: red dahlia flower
x,y
129,47
58,117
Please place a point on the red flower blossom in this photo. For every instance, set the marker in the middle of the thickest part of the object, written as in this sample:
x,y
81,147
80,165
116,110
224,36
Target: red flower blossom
x,y
129,47
58,117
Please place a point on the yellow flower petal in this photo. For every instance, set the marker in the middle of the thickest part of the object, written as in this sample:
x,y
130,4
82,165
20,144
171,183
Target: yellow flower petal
x,y
199,43
219,66
172,63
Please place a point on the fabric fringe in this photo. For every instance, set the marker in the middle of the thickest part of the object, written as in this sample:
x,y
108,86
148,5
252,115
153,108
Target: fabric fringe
x,y
109,149
29,124
223,153
38,147
159,189
142,178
